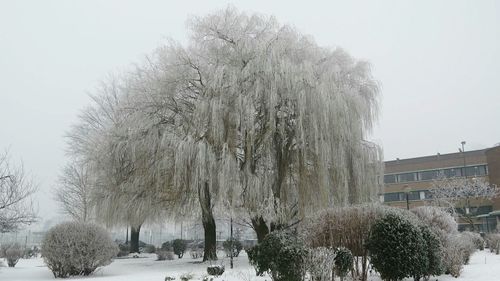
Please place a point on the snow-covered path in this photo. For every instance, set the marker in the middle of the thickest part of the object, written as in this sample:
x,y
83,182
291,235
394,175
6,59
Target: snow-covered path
x,y
483,266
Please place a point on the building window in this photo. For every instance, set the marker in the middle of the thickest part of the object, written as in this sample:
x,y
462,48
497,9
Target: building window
x,y
414,195
406,177
389,178
453,172
391,197
476,171
427,175
481,210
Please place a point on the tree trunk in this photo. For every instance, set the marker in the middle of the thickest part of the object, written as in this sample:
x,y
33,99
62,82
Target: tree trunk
x,y
209,226
134,239
260,227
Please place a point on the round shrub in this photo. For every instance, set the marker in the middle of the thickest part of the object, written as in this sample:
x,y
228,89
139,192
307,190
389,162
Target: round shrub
x,y
162,255
179,246
76,248
434,249
166,246
12,254
397,248
343,262
493,242
149,249
234,244
215,270
458,251
281,254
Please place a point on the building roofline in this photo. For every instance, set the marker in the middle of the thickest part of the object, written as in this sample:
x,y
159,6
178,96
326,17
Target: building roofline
x,y
435,157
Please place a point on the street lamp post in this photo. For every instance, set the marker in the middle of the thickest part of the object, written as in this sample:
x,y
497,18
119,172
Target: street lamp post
x,y
407,193
463,155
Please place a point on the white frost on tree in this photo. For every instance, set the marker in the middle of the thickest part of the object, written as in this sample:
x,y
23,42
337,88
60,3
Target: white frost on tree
x,y
459,192
249,115
16,188
74,191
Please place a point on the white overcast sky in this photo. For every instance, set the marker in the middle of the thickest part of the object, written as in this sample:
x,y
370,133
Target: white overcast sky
x,y
438,63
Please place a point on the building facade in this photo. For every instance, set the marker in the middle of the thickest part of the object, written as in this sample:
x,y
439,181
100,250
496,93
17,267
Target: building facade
x,y
408,183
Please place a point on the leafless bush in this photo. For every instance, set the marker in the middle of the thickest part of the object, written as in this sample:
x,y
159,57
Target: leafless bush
x,y
12,253
458,249
162,255
475,238
77,248
320,263
196,253
16,188
493,242
347,227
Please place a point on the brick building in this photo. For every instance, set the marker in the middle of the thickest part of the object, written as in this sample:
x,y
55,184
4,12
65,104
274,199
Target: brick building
x,y
408,181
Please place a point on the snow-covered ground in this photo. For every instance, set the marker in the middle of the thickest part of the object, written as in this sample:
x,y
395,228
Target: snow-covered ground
x,y
483,266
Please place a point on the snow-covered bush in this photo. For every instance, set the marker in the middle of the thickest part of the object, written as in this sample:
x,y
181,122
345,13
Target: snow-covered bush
x,y
162,255
31,252
475,238
167,246
343,262
123,250
179,247
493,242
196,253
236,246
12,253
439,221
149,249
434,250
397,248
468,246
215,270
281,254
458,249
347,227
77,248
186,276
320,263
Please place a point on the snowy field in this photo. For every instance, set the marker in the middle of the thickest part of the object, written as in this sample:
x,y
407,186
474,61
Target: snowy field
x,y
483,266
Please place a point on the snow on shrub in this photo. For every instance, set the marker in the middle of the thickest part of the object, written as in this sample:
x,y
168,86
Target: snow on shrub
x,y
434,251
347,227
196,252
77,248
320,263
458,249
475,238
493,242
397,248
439,221
343,262
186,276
162,255
12,253
281,254
179,247
215,270
149,249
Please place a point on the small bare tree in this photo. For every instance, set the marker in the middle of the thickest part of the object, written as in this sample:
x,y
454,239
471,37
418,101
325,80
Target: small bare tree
x,y
458,192
74,191
16,188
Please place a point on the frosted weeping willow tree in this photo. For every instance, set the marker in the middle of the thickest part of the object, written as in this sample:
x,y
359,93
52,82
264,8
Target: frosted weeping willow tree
x,y
274,118
128,189
250,115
